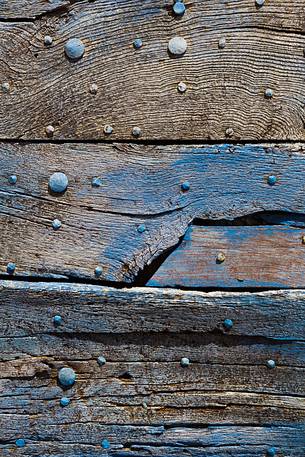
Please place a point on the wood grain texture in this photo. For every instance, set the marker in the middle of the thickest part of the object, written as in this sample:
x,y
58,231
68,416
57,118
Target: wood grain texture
x,y
264,49
140,185
31,9
266,256
227,402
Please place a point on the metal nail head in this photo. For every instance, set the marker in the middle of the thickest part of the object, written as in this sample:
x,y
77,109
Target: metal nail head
x,y
66,377
177,46
58,183
74,49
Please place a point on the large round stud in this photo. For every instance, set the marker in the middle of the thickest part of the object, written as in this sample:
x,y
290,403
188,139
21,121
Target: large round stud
x,y
58,183
74,49
66,377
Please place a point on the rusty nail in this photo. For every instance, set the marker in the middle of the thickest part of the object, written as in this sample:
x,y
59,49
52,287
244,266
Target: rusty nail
x,y
58,182
177,46
50,130
185,362
66,377
74,49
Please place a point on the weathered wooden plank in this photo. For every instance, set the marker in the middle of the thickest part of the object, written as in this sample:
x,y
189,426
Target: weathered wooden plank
x,y
89,309
140,187
228,257
226,402
30,9
135,86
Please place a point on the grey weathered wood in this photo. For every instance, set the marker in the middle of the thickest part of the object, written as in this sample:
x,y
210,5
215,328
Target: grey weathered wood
x,y
31,9
264,256
140,185
226,402
225,96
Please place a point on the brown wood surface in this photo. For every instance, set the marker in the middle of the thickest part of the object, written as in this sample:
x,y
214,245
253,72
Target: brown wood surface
x,y
259,256
225,96
140,185
226,402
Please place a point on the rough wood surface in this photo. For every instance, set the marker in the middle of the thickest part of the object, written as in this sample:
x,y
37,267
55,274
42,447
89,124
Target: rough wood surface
x,y
225,95
266,256
227,402
140,185
31,9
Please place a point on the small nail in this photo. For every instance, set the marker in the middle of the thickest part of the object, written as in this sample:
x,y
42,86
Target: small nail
x,y
221,257
5,87
141,228
222,43
271,452
50,130
58,182
98,272
185,362
10,268
136,131
177,46
268,93
182,87
137,43
20,442
101,360
105,444
229,132
259,2
12,179
185,186
228,324
64,401
66,377
179,8
74,49
57,320
56,224
271,364
272,180
48,40
108,129
96,182
93,89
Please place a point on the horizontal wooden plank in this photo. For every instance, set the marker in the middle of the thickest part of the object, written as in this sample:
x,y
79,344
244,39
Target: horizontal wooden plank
x,y
227,401
31,9
228,257
31,307
225,96
140,189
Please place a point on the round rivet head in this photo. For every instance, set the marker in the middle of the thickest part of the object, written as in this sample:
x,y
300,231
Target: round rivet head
x,y
177,46
272,180
57,320
93,89
108,129
20,442
74,49
229,132
179,8
58,183
220,258
141,228
185,362
228,324
98,272
48,40
10,268
271,364
259,2
222,43
66,377
138,43
136,131
182,87
96,182
268,93
185,186
56,224
12,179
5,87
271,452
105,444
101,360
64,401
50,130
